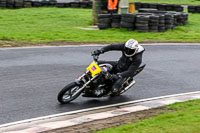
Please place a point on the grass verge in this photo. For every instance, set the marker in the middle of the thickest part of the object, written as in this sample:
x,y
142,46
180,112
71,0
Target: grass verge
x,y
185,119
50,24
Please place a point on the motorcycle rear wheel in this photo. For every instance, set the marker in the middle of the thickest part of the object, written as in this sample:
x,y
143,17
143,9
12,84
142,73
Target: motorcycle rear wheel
x,y
67,94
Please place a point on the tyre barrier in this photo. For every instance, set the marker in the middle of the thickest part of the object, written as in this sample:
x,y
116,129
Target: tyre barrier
x,y
14,4
152,21
3,3
178,18
127,21
194,8
160,7
115,20
11,3
75,4
104,21
142,23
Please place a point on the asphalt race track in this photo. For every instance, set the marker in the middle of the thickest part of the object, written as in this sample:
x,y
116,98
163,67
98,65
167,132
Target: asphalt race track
x,y
30,78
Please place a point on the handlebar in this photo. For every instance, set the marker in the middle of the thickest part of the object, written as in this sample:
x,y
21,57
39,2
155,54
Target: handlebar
x,y
95,57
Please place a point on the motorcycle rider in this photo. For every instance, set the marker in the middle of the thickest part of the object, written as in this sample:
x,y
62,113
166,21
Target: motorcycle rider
x,y
127,64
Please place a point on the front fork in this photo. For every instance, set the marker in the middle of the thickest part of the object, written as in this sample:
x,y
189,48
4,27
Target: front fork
x,y
83,83
83,78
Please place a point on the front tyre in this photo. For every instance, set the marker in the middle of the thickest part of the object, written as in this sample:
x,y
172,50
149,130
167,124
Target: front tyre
x,y
68,93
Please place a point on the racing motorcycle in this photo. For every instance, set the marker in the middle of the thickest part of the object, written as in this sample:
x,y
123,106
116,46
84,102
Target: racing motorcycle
x,y
95,80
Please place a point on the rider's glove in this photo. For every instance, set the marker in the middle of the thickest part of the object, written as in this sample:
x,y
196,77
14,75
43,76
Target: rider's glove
x,y
97,52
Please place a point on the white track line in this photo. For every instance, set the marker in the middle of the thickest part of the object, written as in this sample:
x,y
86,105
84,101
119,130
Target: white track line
x,y
96,45
95,108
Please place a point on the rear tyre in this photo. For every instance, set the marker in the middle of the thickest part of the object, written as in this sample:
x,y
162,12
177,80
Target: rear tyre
x,y
68,93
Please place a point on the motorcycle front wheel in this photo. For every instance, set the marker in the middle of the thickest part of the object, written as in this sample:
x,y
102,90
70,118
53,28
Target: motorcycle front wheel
x,y
68,93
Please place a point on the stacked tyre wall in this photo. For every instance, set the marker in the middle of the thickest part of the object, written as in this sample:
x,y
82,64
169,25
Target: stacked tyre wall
x,y
106,21
3,3
194,9
76,4
178,18
160,7
154,21
127,21
31,3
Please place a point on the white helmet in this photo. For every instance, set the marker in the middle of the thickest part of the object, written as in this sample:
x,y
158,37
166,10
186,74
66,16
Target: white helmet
x,y
131,47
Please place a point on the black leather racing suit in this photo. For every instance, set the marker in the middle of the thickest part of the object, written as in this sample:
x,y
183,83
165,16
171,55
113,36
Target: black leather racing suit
x,y
125,66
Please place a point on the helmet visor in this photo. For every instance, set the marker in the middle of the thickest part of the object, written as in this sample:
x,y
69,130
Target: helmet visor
x,y
129,51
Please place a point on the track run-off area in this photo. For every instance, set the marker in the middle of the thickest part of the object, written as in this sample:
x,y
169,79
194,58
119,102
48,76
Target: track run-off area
x,y
30,78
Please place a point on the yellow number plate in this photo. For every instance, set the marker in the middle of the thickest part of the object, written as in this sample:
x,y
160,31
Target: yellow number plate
x,y
94,68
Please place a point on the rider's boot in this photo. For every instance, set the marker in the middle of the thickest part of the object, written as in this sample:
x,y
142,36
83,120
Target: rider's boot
x,y
116,88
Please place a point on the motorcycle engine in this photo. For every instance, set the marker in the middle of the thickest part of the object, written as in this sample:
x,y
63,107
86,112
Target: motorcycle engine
x,y
100,90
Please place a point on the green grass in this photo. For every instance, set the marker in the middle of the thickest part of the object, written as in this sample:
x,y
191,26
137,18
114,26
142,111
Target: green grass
x,y
185,119
41,25
184,2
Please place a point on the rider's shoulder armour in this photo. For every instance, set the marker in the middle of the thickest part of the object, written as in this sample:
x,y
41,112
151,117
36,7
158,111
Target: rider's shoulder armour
x,y
141,49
